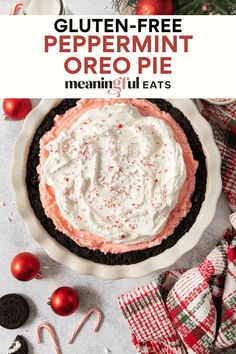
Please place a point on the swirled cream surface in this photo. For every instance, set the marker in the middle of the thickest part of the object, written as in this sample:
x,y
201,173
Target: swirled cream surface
x,y
116,175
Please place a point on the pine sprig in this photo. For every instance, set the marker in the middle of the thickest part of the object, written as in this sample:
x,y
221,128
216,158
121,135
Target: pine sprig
x,y
205,7
118,5
189,7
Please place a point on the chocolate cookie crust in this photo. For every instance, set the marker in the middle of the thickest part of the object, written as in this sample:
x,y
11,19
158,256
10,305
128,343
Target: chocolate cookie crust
x,y
197,198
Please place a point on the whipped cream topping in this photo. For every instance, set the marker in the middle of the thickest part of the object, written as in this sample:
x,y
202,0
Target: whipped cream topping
x,y
116,173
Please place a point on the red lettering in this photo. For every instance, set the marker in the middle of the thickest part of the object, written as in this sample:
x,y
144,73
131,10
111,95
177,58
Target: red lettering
x,y
186,39
79,41
104,65
90,64
122,43
119,61
75,62
108,43
165,65
143,63
50,41
93,41
64,41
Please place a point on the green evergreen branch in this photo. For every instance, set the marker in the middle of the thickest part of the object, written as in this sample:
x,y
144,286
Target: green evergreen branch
x,y
119,4
189,7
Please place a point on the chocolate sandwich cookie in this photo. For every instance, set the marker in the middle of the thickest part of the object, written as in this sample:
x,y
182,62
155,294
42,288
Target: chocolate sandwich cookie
x,y
19,346
14,311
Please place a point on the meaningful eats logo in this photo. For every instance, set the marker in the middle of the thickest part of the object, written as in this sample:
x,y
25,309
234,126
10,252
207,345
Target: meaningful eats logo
x,y
118,53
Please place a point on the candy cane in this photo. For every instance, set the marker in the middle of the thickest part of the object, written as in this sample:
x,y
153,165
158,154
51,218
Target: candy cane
x,y
83,320
52,334
18,6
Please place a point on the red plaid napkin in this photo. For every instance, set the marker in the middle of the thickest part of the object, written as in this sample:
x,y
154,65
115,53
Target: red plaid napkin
x,y
193,311
223,121
187,311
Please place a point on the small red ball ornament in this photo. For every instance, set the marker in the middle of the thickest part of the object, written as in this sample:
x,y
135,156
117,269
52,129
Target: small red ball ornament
x,y
154,7
16,108
25,266
64,301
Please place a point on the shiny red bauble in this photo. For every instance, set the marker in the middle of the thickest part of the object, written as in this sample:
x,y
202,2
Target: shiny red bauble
x,y
154,7
64,301
25,266
16,108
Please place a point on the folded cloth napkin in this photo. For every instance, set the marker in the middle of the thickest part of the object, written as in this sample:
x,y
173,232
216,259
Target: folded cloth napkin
x,y
223,121
187,311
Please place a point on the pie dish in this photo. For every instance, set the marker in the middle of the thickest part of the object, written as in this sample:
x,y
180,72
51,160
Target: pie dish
x,y
142,182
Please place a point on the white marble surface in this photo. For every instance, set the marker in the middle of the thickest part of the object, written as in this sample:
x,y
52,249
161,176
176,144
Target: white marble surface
x,y
114,333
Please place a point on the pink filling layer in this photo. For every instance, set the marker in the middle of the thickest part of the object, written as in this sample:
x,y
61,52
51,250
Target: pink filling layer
x,y
95,242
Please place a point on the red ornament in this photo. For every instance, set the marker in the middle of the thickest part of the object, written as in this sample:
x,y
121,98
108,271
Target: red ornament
x,y
154,7
64,301
16,108
25,266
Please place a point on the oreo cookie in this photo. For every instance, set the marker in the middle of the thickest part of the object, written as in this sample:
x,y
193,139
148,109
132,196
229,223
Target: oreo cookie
x,y
19,346
14,311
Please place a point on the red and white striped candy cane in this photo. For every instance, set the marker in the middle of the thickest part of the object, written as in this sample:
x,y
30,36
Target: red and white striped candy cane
x,y
18,6
83,320
52,334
